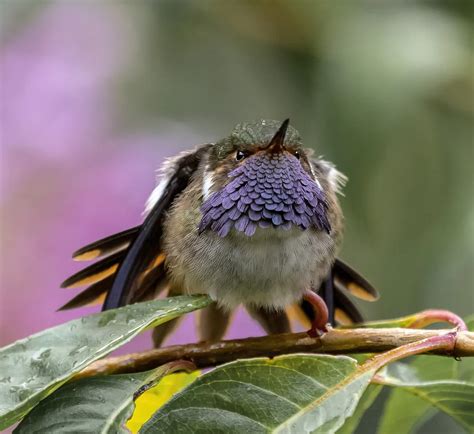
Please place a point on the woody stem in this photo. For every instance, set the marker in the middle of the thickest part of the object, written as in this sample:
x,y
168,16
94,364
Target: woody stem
x,y
335,341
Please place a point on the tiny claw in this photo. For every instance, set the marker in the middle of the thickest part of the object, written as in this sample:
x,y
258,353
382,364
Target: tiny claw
x,y
315,332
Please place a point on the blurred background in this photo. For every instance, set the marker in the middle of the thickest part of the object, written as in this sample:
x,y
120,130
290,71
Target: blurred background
x,y
94,95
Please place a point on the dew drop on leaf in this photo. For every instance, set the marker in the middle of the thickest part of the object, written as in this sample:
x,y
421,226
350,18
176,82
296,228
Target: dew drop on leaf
x,y
78,350
107,318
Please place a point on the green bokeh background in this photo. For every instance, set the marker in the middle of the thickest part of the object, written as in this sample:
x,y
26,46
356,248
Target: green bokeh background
x,y
383,89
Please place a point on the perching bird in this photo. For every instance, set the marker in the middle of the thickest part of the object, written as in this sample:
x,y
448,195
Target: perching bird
x,y
251,220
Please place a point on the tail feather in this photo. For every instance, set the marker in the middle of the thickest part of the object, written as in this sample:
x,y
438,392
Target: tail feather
x,y
272,321
93,295
153,282
95,272
344,279
102,274
345,276
106,246
346,312
212,323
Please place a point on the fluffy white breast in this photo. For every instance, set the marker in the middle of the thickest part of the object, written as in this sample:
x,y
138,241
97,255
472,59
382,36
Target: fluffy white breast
x,y
272,269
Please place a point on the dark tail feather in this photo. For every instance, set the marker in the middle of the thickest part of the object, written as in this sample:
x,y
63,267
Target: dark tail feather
x,y
272,321
326,291
94,294
106,246
340,307
152,282
212,323
350,280
95,272
346,312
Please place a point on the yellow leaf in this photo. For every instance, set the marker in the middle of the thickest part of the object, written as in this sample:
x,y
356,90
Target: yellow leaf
x,y
157,396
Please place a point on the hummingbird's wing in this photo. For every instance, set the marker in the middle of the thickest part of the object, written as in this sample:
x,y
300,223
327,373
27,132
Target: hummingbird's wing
x,y
100,276
134,264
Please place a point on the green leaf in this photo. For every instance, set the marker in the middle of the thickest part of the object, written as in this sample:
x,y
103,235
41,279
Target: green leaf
x,y
293,393
297,393
32,368
455,398
404,411
99,405
368,398
423,387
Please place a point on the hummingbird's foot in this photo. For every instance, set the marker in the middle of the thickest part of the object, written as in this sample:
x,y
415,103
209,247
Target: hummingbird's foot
x,y
321,314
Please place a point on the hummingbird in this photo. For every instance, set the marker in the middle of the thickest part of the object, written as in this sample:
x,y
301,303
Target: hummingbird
x,y
250,220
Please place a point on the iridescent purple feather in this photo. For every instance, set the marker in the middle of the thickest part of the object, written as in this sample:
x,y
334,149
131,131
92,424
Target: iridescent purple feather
x,y
267,190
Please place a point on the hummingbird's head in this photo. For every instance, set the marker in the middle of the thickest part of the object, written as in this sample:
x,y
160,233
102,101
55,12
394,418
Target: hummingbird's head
x,y
261,176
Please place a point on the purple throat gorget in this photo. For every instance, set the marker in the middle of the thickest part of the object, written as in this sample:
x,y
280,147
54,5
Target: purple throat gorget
x,y
267,190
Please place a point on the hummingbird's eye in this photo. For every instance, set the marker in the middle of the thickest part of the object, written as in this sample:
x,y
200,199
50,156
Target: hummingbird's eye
x,y
240,155
297,154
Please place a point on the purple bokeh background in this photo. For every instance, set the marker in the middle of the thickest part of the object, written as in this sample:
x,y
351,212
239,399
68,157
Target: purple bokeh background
x,y
67,176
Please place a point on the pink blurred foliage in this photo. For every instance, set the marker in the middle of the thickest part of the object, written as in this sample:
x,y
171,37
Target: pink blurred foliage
x,y
54,74
67,178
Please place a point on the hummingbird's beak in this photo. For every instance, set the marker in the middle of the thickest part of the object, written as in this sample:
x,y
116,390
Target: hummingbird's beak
x,y
276,143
